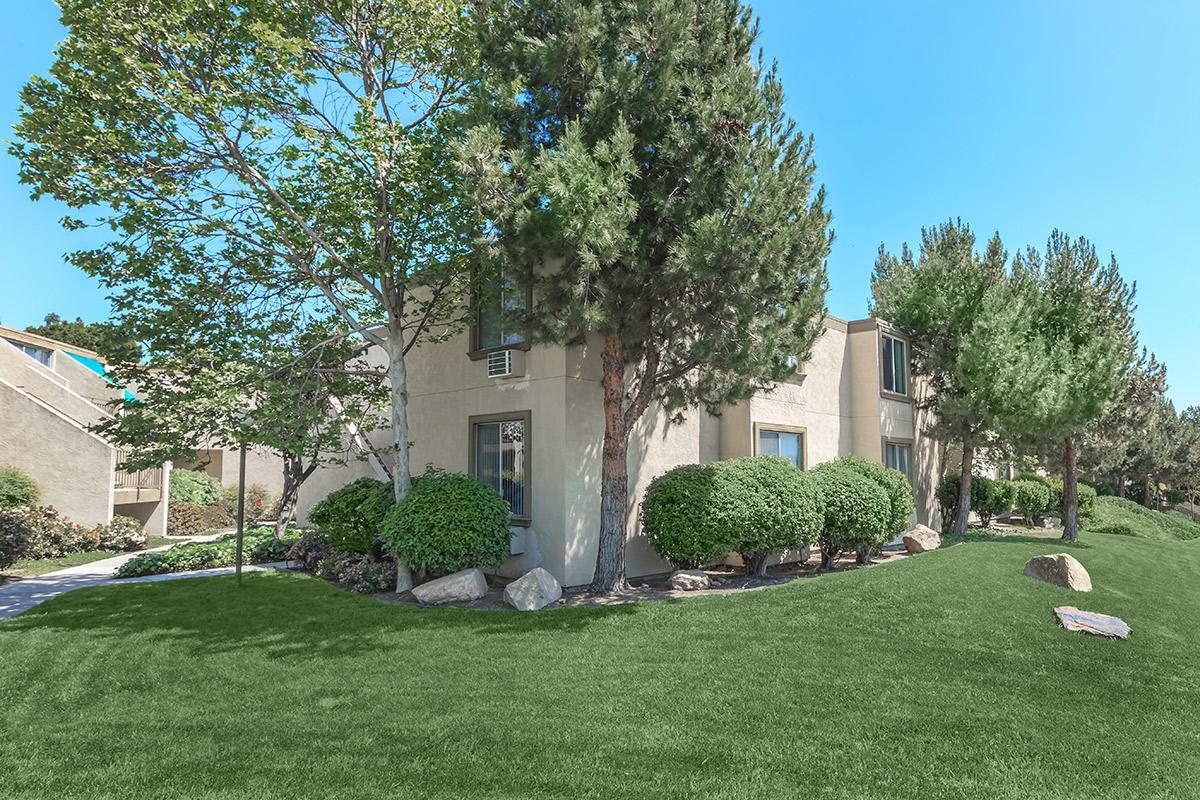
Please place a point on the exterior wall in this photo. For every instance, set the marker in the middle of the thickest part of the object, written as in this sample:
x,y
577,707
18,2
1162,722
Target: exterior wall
x,y
836,400
73,467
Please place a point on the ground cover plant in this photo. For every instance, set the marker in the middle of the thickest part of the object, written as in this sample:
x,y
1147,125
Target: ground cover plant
x,y
291,688
1116,515
259,547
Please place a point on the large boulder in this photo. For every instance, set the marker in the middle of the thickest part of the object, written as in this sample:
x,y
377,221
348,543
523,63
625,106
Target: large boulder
x,y
922,539
1061,569
533,590
689,580
461,587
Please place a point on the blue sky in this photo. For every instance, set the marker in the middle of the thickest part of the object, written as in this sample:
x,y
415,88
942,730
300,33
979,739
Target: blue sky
x,y
1016,116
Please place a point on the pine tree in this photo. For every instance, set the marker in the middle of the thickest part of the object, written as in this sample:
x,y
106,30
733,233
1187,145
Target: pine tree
x,y
1080,345
636,169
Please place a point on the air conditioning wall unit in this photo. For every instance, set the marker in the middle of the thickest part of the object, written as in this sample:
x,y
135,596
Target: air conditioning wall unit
x,y
506,364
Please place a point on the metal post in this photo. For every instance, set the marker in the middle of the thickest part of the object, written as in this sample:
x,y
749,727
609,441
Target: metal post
x,y
241,514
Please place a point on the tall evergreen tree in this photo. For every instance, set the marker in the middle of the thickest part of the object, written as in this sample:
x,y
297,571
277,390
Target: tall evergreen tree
x,y
1080,346
1119,444
110,339
637,170
958,309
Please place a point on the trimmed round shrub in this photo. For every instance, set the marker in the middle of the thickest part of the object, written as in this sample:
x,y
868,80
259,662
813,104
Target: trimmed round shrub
x,y
857,512
678,518
352,517
947,498
1086,501
15,537
893,482
17,489
1030,499
768,507
193,486
447,522
123,533
997,500
757,507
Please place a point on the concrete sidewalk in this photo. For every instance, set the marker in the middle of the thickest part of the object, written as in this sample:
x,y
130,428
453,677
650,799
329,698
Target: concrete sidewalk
x,y
24,594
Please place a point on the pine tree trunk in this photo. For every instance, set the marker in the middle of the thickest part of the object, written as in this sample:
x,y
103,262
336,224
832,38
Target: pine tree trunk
x,y
1146,501
1121,486
964,490
614,478
401,475
1070,495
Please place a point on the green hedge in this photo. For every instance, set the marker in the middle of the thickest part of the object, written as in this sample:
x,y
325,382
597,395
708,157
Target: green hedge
x,y
17,489
857,512
193,486
352,517
1030,499
257,548
448,521
757,507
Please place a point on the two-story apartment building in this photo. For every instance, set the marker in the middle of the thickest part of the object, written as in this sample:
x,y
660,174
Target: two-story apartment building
x,y
528,420
50,393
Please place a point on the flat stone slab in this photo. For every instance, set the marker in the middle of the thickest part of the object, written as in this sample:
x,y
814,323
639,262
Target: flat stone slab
x,y
1090,622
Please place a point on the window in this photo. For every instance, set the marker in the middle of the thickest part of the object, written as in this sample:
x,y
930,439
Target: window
x,y
39,354
500,458
899,457
495,317
895,365
783,443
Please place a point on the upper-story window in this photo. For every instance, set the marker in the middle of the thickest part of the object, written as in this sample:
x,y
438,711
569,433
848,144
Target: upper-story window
x,y
497,315
895,365
40,354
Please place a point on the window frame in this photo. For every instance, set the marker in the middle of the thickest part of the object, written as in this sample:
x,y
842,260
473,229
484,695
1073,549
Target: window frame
x,y
772,427
475,352
886,392
526,418
910,444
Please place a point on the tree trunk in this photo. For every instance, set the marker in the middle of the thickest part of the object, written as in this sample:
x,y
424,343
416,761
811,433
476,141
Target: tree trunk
x,y
964,490
1070,495
614,478
1121,486
287,500
756,564
863,556
1146,501
401,475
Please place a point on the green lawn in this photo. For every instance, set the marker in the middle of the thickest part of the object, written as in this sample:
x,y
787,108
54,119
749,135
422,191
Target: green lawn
x,y
940,676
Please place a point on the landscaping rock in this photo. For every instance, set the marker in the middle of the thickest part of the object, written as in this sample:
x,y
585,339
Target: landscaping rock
x,y
1061,569
1090,622
461,587
533,590
1052,522
689,580
921,539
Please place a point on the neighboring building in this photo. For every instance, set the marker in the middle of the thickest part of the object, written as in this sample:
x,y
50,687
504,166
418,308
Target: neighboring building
x,y
263,467
50,393
529,421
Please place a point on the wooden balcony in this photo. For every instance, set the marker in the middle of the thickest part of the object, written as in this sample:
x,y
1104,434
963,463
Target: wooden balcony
x,y
143,486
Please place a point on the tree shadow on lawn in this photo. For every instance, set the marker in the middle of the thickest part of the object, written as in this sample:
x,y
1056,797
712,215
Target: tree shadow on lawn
x,y
987,537
282,616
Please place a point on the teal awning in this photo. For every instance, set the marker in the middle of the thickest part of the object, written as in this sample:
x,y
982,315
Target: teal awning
x,y
98,368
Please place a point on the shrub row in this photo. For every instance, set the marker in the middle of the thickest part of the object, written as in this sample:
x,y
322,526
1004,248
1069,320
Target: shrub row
x,y
259,547
1034,497
759,507
44,533
187,518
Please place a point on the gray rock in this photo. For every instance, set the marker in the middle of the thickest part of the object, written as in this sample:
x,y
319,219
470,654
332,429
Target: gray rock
x,y
1061,569
1052,522
533,590
1090,622
461,587
689,580
922,539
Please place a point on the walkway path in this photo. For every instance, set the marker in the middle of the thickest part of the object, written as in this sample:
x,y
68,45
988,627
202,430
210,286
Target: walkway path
x,y
24,594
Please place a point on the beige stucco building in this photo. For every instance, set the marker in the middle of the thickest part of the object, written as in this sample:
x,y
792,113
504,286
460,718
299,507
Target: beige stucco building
x,y
50,393
529,421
